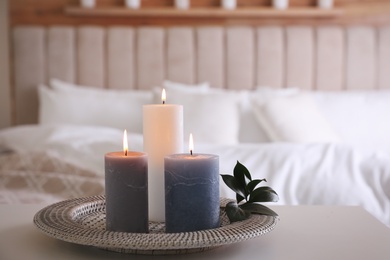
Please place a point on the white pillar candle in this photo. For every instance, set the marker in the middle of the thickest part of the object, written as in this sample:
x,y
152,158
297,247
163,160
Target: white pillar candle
x,y
163,135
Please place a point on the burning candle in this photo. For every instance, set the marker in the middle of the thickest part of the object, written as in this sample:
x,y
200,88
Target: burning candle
x,y
191,191
163,135
126,177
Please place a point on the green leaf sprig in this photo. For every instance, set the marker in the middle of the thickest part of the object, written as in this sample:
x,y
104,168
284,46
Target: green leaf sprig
x,y
247,195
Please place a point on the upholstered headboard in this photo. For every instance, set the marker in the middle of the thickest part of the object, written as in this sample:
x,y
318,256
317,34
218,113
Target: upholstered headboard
x,y
322,58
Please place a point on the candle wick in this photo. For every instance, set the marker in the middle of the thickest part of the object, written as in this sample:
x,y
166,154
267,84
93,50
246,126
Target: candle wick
x,y
125,152
191,152
163,102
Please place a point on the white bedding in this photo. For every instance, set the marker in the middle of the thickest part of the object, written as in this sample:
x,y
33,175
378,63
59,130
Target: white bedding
x,y
314,174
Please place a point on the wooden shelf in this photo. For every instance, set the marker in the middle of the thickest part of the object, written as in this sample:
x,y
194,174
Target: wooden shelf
x,y
253,12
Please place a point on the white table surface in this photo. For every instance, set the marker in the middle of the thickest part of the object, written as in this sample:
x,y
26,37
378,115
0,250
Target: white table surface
x,y
303,232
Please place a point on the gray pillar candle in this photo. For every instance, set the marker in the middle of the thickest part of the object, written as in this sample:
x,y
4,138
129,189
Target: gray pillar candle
x,y
126,192
191,192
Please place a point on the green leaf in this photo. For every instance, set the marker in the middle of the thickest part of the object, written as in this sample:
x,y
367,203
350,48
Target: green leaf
x,y
241,171
240,177
239,198
235,213
245,188
263,194
233,184
252,184
256,208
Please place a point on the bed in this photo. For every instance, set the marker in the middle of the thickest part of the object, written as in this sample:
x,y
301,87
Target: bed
x,y
305,107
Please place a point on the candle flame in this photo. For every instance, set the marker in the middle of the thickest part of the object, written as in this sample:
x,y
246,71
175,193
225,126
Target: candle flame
x,y
163,96
191,144
125,143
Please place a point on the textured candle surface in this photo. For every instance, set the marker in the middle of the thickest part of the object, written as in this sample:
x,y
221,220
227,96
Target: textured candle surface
x,y
126,192
163,135
191,192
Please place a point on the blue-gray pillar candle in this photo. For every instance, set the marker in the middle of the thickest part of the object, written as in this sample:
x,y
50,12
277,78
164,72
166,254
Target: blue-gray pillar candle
x,y
191,192
126,176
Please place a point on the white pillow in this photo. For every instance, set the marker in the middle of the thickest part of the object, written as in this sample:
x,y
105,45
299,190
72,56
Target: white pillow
x,y
293,118
176,86
71,104
250,129
360,116
212,116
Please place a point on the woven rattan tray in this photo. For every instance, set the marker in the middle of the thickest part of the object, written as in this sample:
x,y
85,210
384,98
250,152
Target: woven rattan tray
x,y
82,221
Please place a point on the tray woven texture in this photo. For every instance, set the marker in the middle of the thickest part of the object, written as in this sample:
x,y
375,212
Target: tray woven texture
x,y
83,221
